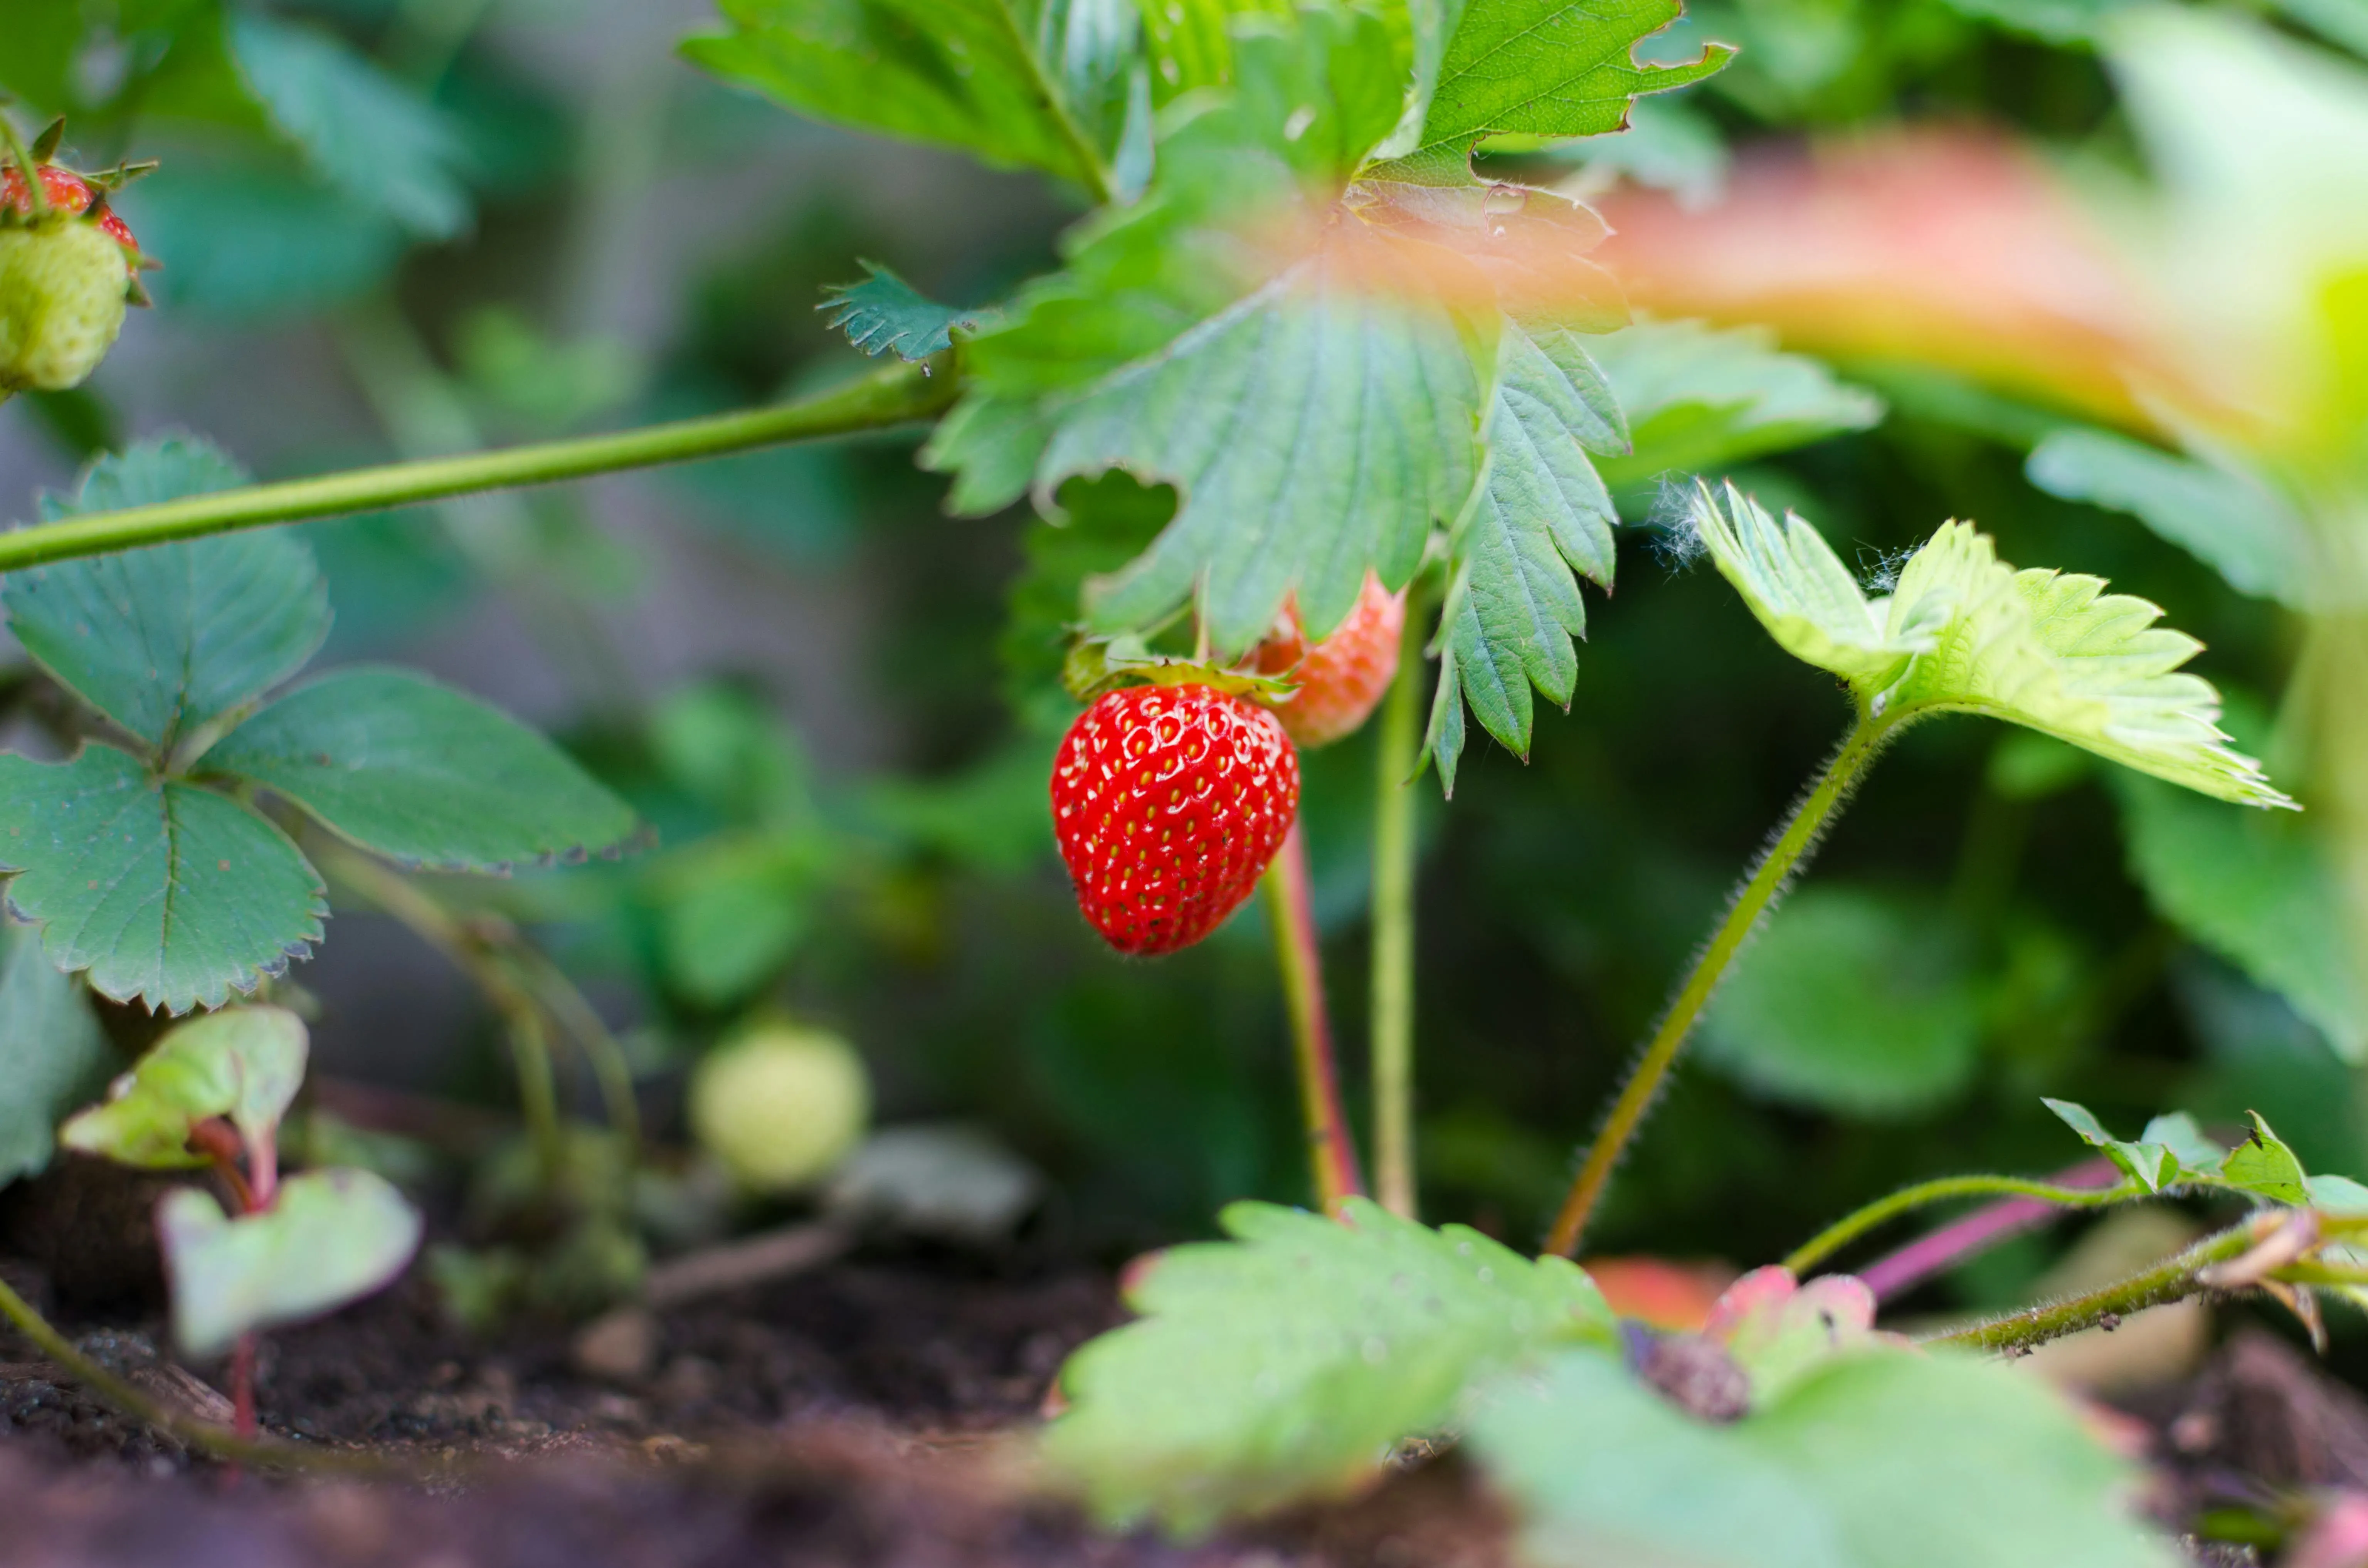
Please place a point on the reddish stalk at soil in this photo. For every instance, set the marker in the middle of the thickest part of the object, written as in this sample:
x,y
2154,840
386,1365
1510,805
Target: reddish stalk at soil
x,y
1331,1152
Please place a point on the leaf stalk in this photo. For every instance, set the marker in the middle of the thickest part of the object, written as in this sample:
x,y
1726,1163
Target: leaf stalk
x,y
1331,1152
898,395
1399,753
1787,856
1848,1228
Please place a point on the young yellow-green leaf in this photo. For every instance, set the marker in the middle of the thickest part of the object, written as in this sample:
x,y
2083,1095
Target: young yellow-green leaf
x,y
1545,68
1030,83
1791,579
166,638
884,313
1876,1458
54,1055
1965,632
241,1064
2153,1162
164,891
1286,1363
423,775
2264,1165
331,1237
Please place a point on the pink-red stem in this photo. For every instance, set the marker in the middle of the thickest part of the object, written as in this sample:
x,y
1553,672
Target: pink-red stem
x,y
1332,1154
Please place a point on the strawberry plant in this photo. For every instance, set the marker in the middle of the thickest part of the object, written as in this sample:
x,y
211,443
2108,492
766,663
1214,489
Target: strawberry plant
x,y
1321,419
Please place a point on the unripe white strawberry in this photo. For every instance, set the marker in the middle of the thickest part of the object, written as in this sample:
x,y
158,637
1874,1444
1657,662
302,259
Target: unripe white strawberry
x,y
64,286
779,1105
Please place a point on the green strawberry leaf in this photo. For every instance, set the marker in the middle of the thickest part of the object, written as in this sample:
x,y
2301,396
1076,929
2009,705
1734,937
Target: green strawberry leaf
x,y
54,1055
2153,1163
1540,514
1876,1458
884,313
423,775
164,640
2260,890
1037,84
2226,518
1285,1363
1852,1001
1545,68
162,891
1315,431
241,1064
2264,1165
1965,632
380,145
331,1237
1700,398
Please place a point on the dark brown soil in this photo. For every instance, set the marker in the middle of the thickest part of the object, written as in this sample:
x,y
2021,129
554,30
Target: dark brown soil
x,y
863,1413
870,1413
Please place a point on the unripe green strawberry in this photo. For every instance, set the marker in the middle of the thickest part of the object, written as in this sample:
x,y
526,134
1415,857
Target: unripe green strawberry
x,y
63,286
779,1105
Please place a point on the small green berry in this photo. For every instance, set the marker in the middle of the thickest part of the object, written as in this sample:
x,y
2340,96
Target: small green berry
x,y
63,287
780,1106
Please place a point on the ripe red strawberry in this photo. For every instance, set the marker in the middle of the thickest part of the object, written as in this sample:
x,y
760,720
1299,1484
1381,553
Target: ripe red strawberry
x,y
1168,802
1341,678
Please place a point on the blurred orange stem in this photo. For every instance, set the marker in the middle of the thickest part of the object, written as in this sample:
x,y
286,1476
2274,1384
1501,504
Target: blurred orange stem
x,y
1331,1153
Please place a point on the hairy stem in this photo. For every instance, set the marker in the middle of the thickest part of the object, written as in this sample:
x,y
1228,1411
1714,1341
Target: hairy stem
x,y
1791,850
1848,1229
894,396
1393,962
2174,1279
1332,1155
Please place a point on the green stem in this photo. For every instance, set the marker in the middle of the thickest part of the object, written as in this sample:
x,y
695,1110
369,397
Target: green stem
x,y
1848,1229
1393,962
539,1094
574,1011
396,895
894,396
1331,1153
2172,1280
202,1436
37,197
1791,850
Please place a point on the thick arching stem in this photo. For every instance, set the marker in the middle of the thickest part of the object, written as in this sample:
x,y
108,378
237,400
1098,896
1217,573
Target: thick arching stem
x,y
894,396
